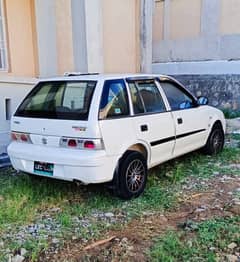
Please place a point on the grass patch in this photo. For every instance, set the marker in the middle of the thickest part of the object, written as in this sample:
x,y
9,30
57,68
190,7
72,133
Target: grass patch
x,y
24,199
236,136
230,114
210,237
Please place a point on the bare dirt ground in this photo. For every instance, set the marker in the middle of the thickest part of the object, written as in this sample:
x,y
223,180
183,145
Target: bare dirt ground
x,y
215,199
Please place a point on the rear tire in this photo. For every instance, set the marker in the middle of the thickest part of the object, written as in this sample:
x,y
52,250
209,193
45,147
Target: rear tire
x,y
215,141
131,177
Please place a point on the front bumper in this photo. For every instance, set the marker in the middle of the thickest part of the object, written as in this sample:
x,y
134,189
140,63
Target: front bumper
x,y
69,164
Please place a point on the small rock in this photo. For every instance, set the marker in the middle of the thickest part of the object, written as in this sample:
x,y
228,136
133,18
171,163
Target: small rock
x,y
232,245
23,252
232,258
18,258
55,209
125,240
130,248
74,237
148,222
212,248
163,219
55,241
200,209
109,214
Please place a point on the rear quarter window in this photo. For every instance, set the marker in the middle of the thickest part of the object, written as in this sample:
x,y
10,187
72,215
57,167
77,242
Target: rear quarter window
x,y
114,100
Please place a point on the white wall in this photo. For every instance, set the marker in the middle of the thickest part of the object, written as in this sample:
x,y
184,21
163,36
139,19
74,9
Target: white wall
x,y
15,91
197,68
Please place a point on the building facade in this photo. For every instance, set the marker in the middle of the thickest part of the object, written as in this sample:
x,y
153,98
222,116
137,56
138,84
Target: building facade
x,y
198,41
43,38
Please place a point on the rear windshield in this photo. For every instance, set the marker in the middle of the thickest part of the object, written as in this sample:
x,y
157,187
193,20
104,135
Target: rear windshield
x,y
58,100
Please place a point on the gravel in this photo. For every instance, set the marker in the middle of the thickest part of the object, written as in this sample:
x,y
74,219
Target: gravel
x,y
49,229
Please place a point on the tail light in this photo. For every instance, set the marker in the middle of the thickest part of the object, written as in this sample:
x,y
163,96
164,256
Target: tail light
x,y
21,137
89,144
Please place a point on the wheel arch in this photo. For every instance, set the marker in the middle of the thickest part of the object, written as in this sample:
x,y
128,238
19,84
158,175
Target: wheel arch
x,y
140,147
217,123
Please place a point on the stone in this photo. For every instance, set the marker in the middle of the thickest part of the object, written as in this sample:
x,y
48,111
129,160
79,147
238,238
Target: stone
x,y
201,209
55,209
232,245
18,258
232,258
233,126
23,252
55,241
109,214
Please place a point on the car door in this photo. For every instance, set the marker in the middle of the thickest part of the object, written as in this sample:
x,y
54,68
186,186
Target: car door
x,y
153,123
189,118
115,123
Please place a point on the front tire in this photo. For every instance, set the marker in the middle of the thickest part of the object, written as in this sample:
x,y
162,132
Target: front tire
x,y
215,142
131,177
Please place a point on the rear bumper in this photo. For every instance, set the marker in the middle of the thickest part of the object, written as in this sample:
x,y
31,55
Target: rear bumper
x,y
69,164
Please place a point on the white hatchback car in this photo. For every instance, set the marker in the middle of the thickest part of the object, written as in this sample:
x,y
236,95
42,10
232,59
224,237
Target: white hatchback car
x,y
110,128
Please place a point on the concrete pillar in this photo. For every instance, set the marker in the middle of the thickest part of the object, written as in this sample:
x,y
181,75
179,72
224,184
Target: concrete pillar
x,y
46,37
87,35
210,17
94,35
146,35
79,36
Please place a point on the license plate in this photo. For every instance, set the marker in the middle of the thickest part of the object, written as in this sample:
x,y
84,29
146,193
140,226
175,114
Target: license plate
x,y
42,168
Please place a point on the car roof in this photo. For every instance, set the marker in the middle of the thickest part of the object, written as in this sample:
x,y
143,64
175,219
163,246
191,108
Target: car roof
x,y
97,77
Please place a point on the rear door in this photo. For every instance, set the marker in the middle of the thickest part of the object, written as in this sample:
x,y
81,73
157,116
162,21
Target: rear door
x,y
152,122
115,121
190,119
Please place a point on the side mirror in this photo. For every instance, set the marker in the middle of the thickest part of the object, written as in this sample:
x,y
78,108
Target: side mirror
x,y
202,100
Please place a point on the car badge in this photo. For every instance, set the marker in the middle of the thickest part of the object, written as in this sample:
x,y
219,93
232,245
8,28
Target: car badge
x,y
44,141
79,128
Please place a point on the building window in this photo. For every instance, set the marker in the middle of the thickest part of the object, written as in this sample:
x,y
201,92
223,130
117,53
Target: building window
x,y
3,51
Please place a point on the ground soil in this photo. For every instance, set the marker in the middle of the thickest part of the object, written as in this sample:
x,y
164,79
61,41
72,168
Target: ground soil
x,y
131,242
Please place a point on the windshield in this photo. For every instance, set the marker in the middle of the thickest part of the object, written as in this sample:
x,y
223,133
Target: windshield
x,y
58,100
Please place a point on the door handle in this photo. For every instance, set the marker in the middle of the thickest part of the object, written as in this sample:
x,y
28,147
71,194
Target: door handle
x,y
180,121
144,128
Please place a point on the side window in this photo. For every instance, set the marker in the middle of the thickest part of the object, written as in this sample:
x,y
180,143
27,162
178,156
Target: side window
x,y
146,98
176,97
136,99
114,101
